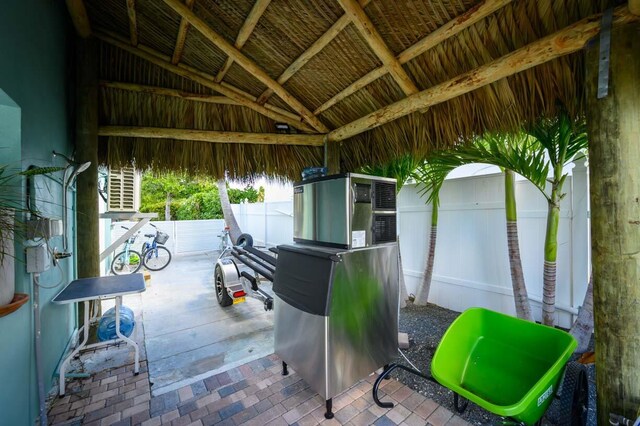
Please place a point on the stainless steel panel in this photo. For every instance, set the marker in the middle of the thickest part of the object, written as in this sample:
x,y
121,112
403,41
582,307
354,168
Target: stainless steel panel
x,y
363,320
332,211
300,341
360,334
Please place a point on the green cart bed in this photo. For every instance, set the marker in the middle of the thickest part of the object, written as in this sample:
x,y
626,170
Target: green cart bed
x,y
508,366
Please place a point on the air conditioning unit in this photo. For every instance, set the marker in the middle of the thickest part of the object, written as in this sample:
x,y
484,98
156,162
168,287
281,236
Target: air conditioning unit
x,y
124,190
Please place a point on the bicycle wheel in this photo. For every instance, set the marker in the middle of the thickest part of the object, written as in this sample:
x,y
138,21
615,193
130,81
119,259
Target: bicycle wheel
x,y
121,265
157,258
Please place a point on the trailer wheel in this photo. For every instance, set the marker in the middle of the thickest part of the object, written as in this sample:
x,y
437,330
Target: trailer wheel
x,y
574,401
245,240
221,288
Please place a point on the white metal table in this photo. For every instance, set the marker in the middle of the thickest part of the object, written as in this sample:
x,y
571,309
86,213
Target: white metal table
x,y
87,289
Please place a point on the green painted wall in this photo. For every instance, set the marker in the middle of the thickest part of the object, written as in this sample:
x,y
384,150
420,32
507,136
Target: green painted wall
x,y
34,36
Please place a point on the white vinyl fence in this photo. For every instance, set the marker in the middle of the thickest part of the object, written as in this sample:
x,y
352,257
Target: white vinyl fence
x,y
471,261
185,236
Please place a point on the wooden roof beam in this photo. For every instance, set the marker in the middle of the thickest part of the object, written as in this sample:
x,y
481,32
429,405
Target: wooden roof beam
x,y
378,45
79,17
245,31
182,35
133,22
194,97
206,80
312,51
213,136
450,29
563,42
173,93
247,64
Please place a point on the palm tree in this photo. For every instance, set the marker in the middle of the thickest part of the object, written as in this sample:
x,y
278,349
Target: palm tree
x,y
431,175
510,152
227,212
583,326
562,139
400,169
552,143
523,307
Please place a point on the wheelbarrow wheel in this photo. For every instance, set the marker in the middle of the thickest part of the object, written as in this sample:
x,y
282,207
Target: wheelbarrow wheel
x,y
221,288
574,401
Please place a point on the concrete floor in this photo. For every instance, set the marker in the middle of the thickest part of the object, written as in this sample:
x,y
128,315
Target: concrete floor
x,y
188,336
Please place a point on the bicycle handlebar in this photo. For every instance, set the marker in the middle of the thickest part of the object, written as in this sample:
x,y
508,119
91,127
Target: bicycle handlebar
x,y
124,227
153,225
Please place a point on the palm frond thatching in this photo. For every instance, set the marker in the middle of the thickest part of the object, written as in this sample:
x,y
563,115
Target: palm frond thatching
x,y
285,31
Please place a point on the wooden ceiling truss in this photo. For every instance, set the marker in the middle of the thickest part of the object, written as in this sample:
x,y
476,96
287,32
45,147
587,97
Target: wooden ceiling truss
x,y
563,42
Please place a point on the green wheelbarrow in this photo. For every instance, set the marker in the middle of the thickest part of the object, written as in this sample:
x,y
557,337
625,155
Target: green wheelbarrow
x,y
510,367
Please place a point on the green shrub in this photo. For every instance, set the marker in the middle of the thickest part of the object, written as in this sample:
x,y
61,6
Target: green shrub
x,y
203,205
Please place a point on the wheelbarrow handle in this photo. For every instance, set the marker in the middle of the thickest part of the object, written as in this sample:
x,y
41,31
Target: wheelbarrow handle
x,y
388,369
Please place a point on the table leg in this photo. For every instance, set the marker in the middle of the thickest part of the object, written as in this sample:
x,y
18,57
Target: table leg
x,y
81,345
131,342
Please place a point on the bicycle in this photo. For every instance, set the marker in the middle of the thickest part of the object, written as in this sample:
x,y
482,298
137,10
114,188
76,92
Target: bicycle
x,y
155,256
127,261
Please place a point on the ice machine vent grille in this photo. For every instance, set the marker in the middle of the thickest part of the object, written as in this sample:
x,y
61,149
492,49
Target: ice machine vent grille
x,y
385,196
384,228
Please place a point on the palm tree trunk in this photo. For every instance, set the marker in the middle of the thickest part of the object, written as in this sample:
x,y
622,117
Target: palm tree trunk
x,y
425,286
583,327
521,298
229,217
550,257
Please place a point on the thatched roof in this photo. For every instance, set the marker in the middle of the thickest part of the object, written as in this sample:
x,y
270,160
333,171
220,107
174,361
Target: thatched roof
x,y
335,49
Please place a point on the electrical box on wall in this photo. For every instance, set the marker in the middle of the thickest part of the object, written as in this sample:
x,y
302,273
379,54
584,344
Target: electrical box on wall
x,y
43,227
123,190
38,258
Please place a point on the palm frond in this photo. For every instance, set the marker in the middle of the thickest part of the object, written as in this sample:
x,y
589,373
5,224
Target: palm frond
x,y
400,168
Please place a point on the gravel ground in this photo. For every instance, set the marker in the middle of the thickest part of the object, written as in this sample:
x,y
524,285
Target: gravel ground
x,y
426,326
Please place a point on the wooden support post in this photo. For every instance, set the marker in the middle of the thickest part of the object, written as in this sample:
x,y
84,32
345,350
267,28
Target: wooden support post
x,y
614,154
332,156
86,149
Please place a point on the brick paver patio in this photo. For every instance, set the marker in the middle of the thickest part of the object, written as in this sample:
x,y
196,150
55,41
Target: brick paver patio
x,y
252,394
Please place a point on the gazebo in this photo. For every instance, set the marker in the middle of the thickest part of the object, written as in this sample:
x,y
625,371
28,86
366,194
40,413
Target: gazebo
x,y
259,87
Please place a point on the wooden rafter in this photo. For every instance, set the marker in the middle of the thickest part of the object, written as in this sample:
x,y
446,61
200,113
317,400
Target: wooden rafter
x,y
247,64
451,28
204,79
378,45
363,81
213,136
163,91
182,35
79,17
312,51
194,97
133,22
245,31
563,42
